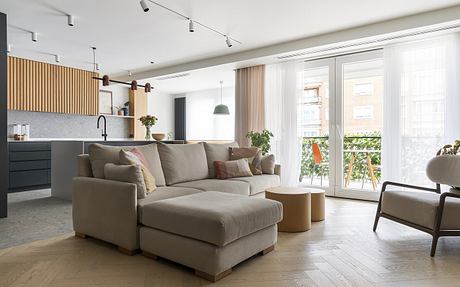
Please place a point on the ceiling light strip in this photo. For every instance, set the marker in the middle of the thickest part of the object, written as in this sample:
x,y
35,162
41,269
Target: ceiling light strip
x,y
195,21
368,42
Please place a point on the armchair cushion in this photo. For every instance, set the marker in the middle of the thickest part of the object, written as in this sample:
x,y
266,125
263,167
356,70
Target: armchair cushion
x,y
420,208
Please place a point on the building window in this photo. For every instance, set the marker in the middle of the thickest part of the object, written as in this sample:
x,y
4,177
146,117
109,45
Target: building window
x,y
363,112
363,89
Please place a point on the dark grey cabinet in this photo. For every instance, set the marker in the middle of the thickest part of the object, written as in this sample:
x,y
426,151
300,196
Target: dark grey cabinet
x,y
29,165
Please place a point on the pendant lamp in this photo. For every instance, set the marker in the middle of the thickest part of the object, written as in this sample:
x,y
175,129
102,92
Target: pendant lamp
x,y
221,109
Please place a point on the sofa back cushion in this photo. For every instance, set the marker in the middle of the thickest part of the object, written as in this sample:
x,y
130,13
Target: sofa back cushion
x,y
183,162
100,155
217,152
127,173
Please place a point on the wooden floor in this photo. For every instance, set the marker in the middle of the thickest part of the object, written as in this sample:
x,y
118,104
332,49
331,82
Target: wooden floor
x,y
342,251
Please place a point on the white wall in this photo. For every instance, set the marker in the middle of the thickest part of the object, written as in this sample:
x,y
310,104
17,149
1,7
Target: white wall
x,y
120,94
202,124
162,106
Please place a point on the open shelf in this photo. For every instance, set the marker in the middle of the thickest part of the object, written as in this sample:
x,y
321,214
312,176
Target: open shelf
x,y
117,116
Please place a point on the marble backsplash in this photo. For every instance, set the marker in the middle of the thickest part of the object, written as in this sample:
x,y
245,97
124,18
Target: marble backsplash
x,y
54,125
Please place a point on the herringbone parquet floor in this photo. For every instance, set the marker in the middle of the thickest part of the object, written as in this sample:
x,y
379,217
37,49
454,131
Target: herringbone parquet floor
x,y
342,251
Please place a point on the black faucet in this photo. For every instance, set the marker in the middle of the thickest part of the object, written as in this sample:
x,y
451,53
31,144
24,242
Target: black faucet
x,y
104,131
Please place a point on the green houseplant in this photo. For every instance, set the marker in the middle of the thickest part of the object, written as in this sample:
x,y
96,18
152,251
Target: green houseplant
x,y
148,121
260,140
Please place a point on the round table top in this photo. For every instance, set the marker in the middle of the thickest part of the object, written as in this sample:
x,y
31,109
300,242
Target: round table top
x,y
293,190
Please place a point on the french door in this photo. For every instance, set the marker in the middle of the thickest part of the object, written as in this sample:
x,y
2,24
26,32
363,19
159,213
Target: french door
x,y
341,122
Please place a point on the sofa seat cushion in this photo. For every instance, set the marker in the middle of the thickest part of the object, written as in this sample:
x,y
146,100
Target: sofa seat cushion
x,y
161,193
183,162
259,183
420,208
214,217
235,187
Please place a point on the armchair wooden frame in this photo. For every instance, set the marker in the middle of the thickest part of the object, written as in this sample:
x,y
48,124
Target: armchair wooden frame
x,y
436,232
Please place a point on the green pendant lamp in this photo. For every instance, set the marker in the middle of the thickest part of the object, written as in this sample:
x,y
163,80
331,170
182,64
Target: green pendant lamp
x,y
221,109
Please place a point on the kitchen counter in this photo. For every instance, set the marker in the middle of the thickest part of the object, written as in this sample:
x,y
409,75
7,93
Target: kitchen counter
x,y
72,139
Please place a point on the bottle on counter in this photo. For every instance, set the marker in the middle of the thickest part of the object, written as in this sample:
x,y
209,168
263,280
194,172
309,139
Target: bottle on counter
x,y
26,131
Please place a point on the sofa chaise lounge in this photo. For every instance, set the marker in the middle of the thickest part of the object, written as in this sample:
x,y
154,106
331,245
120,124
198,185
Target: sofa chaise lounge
x,y
110,210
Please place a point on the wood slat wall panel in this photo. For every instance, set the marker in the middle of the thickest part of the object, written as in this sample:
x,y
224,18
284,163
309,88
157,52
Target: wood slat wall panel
x,y
42,87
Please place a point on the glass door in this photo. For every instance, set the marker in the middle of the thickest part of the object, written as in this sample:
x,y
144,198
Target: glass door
x,y
315,120
341,122
359,109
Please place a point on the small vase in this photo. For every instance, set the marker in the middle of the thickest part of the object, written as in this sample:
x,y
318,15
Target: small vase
x,y
147,133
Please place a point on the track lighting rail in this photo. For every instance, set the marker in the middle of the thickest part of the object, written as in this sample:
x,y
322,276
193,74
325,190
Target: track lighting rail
x,y
227,37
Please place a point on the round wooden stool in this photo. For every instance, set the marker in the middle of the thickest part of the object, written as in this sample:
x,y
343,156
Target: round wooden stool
x,y
318,204
296,207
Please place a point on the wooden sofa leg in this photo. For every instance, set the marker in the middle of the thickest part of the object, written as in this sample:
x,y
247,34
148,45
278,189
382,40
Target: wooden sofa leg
x,y
213,278
434,243
267,250
149,255
80,235
127,251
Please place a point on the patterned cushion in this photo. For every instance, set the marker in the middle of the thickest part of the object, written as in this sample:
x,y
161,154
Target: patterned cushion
x,y
232,168
135,157
252,154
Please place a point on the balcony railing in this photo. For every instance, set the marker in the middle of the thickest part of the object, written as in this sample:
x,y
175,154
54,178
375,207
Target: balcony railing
x,y
359,146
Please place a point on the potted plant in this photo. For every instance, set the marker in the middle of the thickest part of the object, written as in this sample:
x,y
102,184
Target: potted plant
x,y
148,121
260,140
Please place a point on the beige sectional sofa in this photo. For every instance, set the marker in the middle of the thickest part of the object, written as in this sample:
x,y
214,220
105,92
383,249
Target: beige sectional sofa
x,y
110,210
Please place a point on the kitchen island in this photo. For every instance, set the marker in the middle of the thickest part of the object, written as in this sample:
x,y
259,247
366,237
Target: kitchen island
x,y
64,165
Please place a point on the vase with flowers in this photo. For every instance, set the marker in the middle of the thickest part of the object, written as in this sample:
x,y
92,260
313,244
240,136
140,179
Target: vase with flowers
x,y
148,122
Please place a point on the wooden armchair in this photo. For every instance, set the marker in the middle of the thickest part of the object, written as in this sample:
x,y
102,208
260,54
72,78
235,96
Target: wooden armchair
x,y
427,209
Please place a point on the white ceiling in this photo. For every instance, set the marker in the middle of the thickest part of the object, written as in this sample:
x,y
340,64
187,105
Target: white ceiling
x,y
128,39
197,80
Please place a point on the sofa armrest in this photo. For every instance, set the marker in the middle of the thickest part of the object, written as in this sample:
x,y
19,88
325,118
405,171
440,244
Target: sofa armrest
x,y
106,210
278,169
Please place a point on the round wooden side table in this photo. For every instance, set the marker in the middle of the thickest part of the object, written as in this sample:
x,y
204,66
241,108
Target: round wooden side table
x,y
318,204
296,207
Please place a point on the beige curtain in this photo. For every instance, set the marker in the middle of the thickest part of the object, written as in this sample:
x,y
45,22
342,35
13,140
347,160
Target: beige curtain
x,y
249,102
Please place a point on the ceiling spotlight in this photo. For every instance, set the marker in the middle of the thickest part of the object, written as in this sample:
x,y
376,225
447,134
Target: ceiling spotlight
x,y
8,48
70,20
57,58
98,67
144,6
129,73
191,26
228,42
34,36
152,62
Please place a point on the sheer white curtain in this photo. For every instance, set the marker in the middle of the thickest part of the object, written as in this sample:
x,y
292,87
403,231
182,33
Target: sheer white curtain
x,y
421,105
283,86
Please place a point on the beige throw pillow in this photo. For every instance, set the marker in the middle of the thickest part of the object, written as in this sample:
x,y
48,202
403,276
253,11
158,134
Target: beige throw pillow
x,y
252,154
127,173
133,157
232,168
268,164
